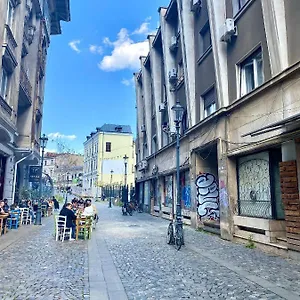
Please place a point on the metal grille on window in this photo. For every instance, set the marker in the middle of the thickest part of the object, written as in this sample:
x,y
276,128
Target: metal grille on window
x,y
254,186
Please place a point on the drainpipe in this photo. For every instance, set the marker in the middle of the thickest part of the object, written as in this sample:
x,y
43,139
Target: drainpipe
x,y
15,175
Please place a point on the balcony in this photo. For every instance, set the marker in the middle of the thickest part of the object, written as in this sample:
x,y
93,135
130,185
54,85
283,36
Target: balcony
x,y
5,107
25,86
42,63
9,50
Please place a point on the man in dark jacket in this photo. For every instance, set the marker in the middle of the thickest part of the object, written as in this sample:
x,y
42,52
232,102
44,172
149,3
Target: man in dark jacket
x,y
71,217
56,203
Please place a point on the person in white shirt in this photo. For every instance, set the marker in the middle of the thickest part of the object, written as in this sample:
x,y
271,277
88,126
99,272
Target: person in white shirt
x,y
88,210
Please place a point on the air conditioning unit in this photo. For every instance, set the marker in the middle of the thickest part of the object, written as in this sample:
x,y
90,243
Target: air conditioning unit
x,y
228,30
173,75
143,128
196,5
162,107
174,44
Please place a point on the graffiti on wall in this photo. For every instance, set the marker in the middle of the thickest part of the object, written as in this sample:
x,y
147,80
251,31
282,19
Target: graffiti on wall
x,y
208,197
186,196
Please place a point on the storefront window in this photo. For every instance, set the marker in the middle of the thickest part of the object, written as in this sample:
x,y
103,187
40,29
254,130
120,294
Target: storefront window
x,y
168,191
185,188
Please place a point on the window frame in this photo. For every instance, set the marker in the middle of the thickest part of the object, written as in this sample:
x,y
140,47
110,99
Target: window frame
x,y
252,59
237,6
206,108
202,34
10,14
108,147
4,90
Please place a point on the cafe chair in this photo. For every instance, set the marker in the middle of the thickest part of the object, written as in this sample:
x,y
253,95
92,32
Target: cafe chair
x,y
25,216
61,230
84,227
13,221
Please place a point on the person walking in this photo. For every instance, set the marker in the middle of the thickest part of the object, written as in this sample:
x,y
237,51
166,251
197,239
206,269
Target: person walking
x,y
56,203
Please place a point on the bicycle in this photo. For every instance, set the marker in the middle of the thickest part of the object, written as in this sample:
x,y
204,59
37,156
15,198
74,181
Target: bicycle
x,y
175,234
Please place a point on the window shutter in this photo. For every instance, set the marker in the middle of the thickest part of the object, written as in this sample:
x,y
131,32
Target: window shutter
x,y
209,98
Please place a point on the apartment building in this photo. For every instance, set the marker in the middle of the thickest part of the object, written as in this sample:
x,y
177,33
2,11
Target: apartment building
x,y
234,67
104,165
25,30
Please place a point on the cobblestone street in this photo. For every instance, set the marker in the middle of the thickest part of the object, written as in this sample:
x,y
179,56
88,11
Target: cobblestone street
x,y
127,258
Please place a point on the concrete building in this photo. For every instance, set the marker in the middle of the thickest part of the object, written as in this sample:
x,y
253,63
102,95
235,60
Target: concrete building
x,y
234,66
25,30
104,166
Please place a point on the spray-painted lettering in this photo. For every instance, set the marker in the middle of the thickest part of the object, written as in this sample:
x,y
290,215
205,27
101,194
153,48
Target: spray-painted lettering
x,y
208,197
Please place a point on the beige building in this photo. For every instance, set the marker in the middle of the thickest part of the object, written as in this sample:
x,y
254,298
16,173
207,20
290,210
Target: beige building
x,y
234,66
25,30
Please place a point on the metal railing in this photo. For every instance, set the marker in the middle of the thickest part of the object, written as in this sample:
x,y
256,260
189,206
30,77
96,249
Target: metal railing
x,y
5,106
25,84
257,209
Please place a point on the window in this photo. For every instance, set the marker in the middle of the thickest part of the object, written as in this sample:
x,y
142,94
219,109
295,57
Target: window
x,y
180,70
205,38
4,83
108,147
251,73
237,5
10,14
209,101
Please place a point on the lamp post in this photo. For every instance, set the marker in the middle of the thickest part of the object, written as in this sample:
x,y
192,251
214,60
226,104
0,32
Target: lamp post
x,y
125,158
67,187
178,110
43,144
111,177
97,185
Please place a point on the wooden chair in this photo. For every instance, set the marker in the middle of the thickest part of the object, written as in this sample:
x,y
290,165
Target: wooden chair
x,y
44,210
84,227
13,221
25,216
61,230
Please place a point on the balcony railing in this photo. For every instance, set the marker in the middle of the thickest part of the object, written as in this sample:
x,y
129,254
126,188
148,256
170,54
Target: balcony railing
x,y
5,107
25,84
10,39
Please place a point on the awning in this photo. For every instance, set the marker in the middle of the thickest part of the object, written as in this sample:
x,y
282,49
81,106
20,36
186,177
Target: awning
x,y
274,126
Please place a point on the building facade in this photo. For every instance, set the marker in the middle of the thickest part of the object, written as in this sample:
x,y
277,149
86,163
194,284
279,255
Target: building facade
x,y
104,152
25,30
234,67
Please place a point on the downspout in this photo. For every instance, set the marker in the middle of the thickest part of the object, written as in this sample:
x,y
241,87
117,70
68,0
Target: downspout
x,y
15,175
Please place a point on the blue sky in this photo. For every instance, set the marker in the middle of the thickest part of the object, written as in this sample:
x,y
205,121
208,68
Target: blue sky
x,y
90,68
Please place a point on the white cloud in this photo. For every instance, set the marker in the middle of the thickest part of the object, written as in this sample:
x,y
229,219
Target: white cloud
x,y
58,135
143,29
128,82
96,49
125,53
74,45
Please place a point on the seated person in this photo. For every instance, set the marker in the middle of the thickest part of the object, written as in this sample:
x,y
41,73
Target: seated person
x,y
71,217
6,206
3,210
88,210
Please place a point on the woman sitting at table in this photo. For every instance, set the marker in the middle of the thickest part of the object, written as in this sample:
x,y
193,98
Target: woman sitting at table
x,y
71,218
88,210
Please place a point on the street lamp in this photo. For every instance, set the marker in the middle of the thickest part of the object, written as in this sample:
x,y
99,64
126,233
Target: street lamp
x,y
111,177
125,158
177,224
43,144
67,187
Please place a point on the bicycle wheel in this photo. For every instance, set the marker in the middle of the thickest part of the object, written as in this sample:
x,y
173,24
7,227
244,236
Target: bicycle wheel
x,y
178,237
170,235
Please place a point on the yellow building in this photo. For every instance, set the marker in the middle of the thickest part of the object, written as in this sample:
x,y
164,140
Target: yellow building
x,y
104,164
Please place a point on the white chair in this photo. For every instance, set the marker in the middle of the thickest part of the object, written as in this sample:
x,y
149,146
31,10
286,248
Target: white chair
x,y
61,230
25,216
